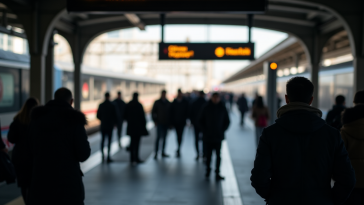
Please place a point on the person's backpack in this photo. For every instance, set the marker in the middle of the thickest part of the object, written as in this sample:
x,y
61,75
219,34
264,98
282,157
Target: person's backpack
x,y
336,122
262,121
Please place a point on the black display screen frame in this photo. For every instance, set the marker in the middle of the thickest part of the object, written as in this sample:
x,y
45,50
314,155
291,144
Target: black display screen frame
x,y
125,6
206,51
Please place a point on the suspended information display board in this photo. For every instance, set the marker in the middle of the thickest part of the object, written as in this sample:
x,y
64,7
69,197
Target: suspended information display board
x,y
206,51
251,6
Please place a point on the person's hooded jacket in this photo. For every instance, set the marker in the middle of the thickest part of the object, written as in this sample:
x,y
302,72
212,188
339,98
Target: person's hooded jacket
x,y
214,121
179,112
195,110
107,114
297,157
161,112
58,143
135,116
353,135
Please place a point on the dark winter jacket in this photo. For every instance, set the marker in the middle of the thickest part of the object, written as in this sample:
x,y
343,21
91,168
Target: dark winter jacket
x,y
2,144
297,157
120,110
135,116
243,104
107,115
18,134
352,133
196,109
333,117
58,143
161,112
179,112
214,121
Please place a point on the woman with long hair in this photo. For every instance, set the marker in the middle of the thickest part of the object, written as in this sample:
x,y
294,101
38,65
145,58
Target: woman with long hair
x,y
18,133
260,114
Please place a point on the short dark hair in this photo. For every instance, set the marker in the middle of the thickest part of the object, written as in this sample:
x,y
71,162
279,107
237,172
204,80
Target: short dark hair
x,y
107,95
339,100
119,93
179,91
202,93
163,91
299,89
63,94
359,97
216,94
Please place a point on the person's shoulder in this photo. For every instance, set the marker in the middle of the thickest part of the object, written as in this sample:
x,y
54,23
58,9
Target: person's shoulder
x,y
71,115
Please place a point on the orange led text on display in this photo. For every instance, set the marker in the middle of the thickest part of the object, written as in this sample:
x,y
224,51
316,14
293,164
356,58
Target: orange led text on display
x,y
180,52
221,52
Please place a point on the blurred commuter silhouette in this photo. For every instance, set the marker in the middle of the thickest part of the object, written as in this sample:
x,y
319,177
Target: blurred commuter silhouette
x,y
18,134
333,117
161,118
195,111
57,144
359,97
352,133
135,116
108,117
214,121
120,110
299,154
179,115
243,107
3,146
260,114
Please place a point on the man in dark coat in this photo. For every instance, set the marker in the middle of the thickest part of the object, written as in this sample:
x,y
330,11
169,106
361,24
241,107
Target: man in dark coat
x,y
195,111
333,117
161,118
214,121
58,143
243,107
107,115
135,116
179,115
299,154
120,109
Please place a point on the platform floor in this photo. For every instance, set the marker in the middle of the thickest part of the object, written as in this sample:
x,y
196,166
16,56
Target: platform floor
x,y
170,180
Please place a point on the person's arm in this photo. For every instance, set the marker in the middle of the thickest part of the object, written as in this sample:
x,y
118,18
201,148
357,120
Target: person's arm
x,y
343,173
226,119
99,113
329,117
82,147
155,112
261,173
14,133
201,119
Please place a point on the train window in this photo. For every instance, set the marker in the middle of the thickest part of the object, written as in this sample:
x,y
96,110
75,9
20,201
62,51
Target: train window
x,y
9,90
25,82
99,89
85,89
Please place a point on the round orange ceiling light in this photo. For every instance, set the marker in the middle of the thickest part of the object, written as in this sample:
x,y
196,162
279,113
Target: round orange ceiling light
x,y
273,66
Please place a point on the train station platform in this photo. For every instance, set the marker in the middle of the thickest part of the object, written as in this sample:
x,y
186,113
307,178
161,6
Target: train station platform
x,y
169,180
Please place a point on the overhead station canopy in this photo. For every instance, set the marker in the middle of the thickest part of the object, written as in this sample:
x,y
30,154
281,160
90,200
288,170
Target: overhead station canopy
x,y
251,6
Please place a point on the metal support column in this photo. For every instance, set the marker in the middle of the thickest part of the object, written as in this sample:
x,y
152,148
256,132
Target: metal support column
x,y
163,21
77,72
37,77
250,25
315,68
271,82
49,71
358,73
